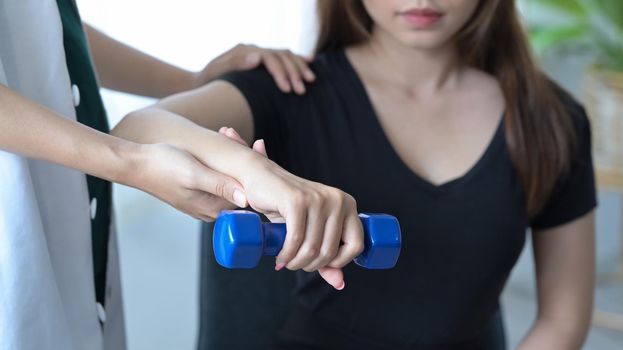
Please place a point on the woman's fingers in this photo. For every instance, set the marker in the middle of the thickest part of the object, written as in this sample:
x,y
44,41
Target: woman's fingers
x,y
260,147
330,241
352,242
232,134
312,241
333,276
296,221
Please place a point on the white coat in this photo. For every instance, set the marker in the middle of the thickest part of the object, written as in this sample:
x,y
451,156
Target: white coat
x,y
47,297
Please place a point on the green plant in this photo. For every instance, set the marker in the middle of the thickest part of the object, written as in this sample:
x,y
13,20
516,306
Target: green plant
x,y
595,26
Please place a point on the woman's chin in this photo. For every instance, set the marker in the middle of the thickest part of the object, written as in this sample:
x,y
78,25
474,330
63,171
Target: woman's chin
x,y
422,41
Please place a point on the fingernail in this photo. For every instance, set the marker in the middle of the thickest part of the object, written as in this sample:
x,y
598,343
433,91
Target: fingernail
x,y
279,266
341,286
240,199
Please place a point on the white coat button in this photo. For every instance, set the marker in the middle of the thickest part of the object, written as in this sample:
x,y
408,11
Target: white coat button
x,y
75,92
93,208
101,313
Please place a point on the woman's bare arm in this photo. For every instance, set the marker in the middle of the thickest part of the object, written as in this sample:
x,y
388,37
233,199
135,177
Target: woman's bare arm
x,y
311,210
565,270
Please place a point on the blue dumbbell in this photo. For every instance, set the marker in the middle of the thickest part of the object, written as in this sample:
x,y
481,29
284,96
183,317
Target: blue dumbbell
x,y
241,238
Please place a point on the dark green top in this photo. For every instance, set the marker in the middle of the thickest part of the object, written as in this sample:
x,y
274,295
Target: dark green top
x,y
90,111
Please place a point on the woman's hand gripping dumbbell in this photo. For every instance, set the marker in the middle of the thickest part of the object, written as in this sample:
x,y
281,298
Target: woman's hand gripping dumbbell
x,y
241,239
324,230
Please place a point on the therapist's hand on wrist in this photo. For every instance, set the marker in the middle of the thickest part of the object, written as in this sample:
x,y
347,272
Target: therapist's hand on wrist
x,y
179,179
290,71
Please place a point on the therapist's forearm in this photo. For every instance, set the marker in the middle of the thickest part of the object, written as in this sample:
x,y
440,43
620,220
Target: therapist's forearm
x,y
32,130
123,68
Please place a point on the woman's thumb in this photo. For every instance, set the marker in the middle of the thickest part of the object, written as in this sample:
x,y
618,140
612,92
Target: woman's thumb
x,y
333,276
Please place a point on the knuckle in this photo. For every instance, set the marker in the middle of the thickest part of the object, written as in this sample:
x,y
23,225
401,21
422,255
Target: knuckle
x,y
298,199
296,238
212,212
339,198
219,189
358,248
286,256
310,252
327,255
314,197
349,201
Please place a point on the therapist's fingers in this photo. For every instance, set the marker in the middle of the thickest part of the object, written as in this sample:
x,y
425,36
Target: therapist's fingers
x,y
275,67
288,69
292,71
302,64
222,186
211,206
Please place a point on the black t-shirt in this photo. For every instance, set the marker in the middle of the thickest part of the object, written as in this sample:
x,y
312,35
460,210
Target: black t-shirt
x,y
460,239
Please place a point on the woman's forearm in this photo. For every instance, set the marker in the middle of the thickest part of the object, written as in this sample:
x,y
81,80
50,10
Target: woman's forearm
x,y
32,130
123,68
555,335
153,125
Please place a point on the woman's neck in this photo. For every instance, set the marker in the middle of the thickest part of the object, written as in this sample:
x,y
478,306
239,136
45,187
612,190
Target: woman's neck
x,y
423,70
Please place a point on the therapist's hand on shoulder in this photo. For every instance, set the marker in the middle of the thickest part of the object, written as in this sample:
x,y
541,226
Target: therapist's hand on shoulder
x,y
290,71
324,230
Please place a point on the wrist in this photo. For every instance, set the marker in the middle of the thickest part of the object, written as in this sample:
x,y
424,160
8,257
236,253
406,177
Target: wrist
x,y
229,157
184,80
129,157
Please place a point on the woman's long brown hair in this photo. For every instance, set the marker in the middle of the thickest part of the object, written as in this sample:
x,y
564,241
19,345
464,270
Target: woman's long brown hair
x,y
539,131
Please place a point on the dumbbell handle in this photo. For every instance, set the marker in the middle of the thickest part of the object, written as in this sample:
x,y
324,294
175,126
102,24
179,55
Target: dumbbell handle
x,y
275,236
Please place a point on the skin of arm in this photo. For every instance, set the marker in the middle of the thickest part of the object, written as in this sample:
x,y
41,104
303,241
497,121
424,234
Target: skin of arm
x,y
565,272
123,68
34,131
185,120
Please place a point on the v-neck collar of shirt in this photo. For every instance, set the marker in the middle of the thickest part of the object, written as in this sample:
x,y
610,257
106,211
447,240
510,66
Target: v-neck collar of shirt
x,y
381,140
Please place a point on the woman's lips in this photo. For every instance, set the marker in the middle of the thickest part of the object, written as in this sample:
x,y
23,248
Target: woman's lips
x,y
421,18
